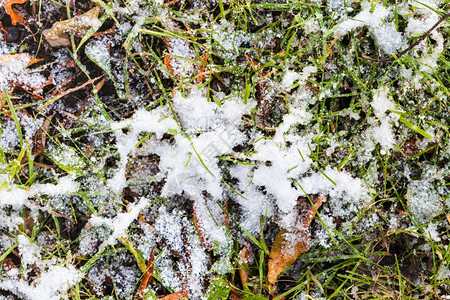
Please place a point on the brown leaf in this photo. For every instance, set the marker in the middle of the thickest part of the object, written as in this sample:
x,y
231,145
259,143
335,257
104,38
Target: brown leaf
x,y
58,41
75,24
289,244
203,241
14,14
234,295
245,256
140,295
176,296
40,138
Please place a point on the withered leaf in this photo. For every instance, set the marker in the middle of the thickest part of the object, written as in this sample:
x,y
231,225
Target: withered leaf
x,y
177,60
75,24
148,275
289,244
176,296
245,256
40,138
8,58
15,16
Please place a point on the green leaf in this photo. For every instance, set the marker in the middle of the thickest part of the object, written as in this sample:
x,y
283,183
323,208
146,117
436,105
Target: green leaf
x,y
218,289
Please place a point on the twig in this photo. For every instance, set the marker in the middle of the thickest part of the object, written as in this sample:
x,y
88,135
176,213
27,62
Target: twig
x,y
412,45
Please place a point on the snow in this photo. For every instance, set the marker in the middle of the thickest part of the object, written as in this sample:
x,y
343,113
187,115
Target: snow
x,y
17,197
423,201
181,54
119,225
290,77
383,108
13,70
52,284
385,34
55,277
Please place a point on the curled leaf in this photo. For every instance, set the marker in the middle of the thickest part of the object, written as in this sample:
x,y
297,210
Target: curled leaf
x,y
14,14
75,24
289,244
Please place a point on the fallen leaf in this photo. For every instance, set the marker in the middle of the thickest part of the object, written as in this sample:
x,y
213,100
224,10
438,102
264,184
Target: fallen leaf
x,y
13,65
40,138
289,244
178,59
148,275
10,58
75,24
176,296
245,256
267,101
234,295
58,41
203,241
14,14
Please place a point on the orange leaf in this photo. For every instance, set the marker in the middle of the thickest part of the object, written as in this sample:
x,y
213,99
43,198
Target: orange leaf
x,y
75,24
7,58
245,256
177,61
40,137
176,296
203,241
147,277
15,16
289,244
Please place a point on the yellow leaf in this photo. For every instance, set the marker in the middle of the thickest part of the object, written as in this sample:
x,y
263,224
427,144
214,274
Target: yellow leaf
x,y
75,24
289,244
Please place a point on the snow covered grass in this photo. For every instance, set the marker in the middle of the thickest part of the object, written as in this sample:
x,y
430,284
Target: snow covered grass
x,y
209,123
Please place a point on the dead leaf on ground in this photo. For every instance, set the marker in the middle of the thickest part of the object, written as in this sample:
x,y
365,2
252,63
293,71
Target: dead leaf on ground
x,y
76,24
245,256
203,241
289,244
9,58
16,17
176,296
267,100
234,295
148,275
40,138
178,59
58,41
201,214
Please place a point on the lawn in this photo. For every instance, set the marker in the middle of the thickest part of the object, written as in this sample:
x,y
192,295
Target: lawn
x,y
224,149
